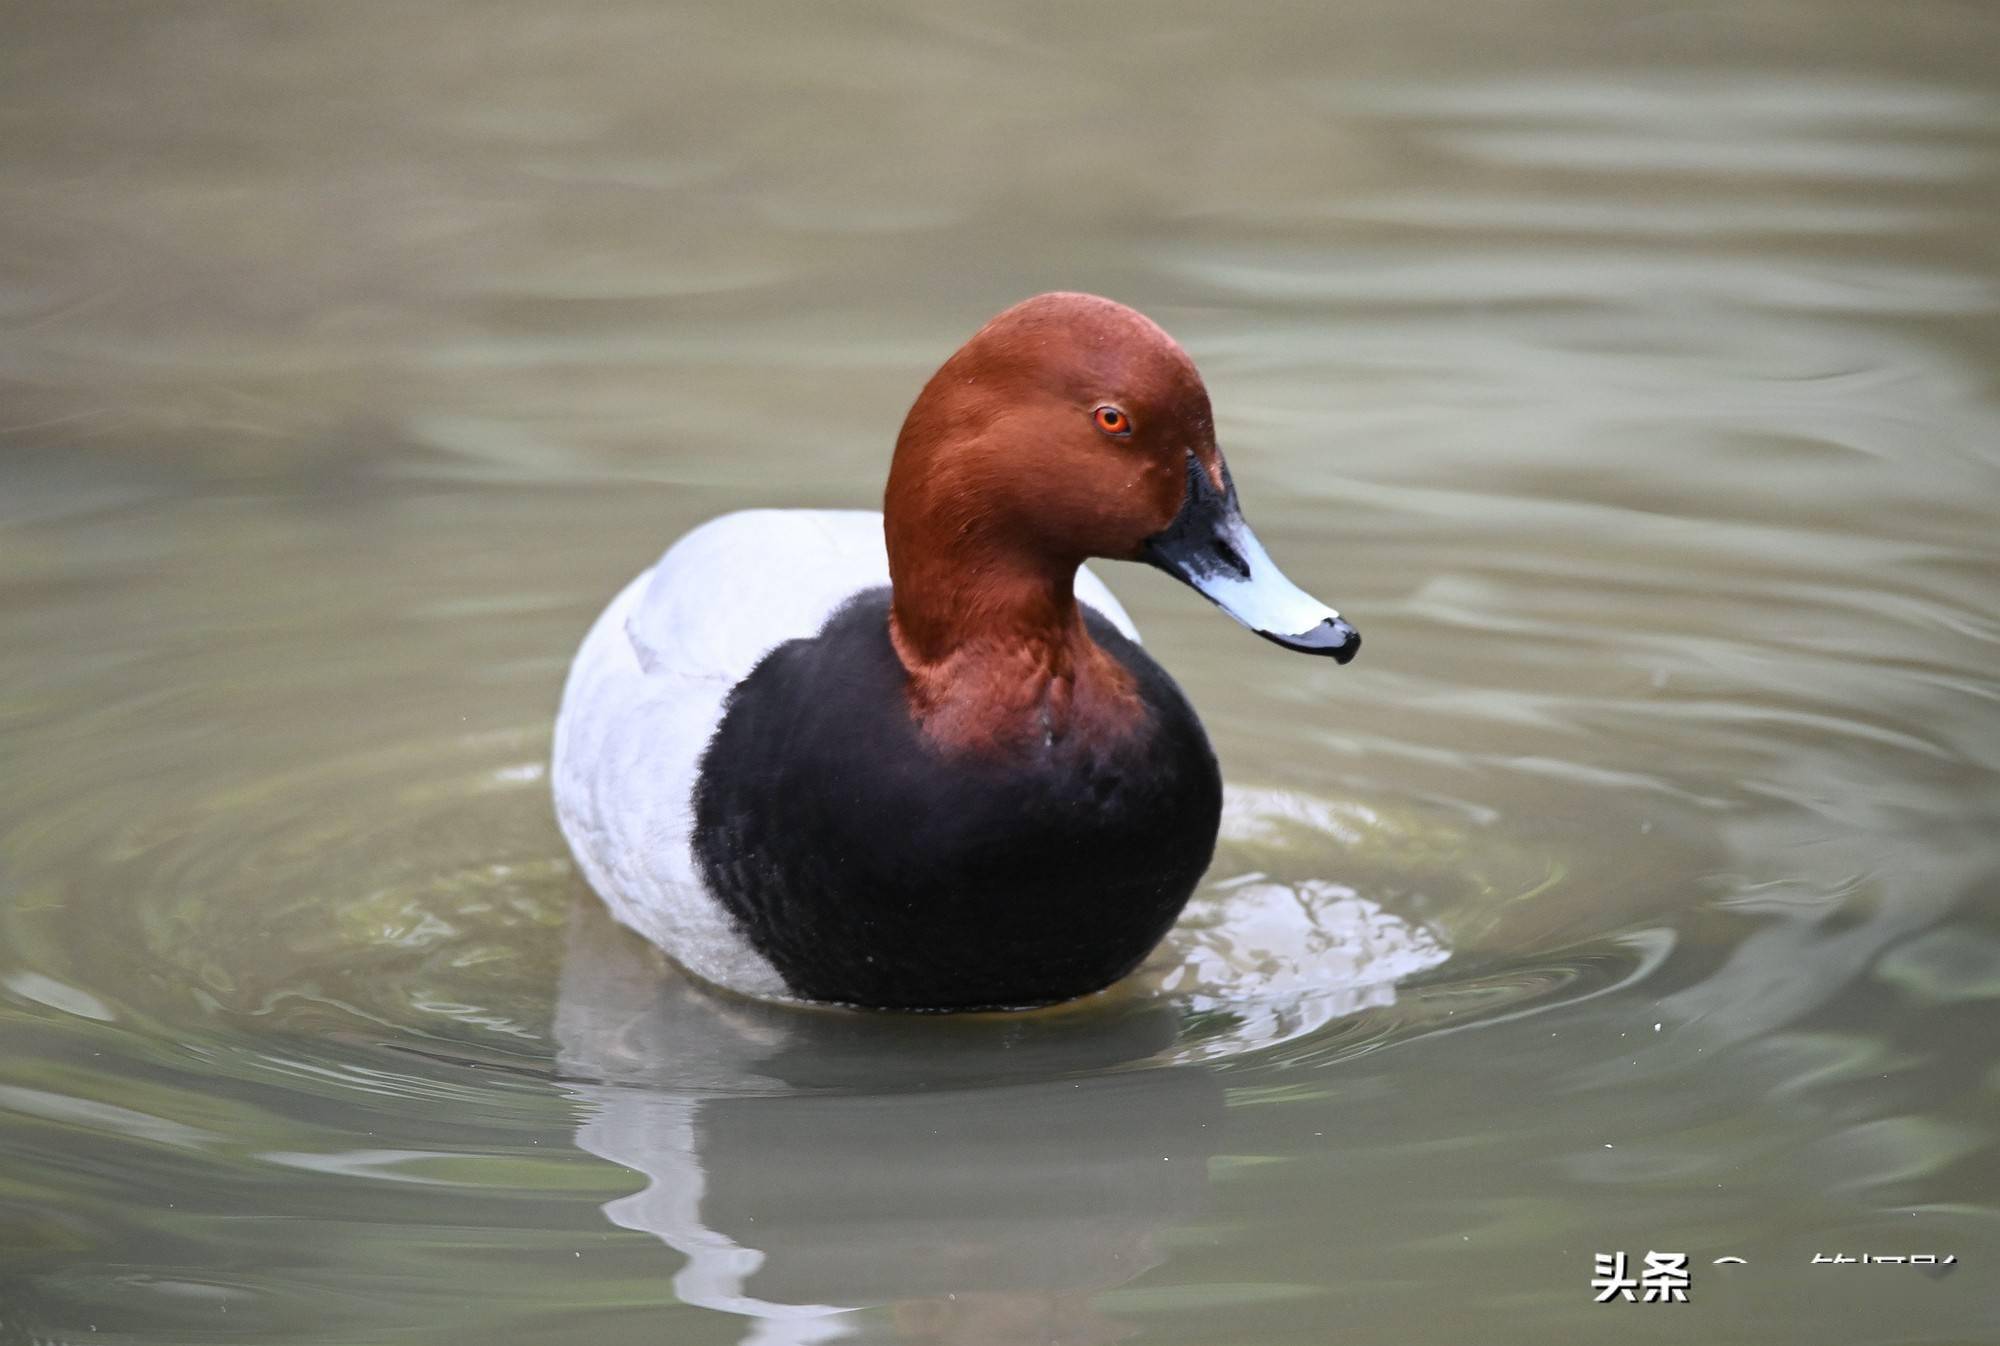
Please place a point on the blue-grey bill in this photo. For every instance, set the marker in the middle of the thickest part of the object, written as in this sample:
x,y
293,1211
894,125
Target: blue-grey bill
x,y
1212,550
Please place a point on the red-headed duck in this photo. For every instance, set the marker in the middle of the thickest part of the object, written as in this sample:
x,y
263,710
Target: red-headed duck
x,y
917,759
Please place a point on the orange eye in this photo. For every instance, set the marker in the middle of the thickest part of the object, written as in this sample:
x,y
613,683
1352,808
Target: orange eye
x,y
1112,421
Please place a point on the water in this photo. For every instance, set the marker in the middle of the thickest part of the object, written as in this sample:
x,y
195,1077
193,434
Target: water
x,y
1627,374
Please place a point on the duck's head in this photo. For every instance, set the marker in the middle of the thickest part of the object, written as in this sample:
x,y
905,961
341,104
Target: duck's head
x,y
1072,427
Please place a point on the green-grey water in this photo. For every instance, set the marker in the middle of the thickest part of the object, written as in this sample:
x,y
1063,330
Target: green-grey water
x,y
1627,374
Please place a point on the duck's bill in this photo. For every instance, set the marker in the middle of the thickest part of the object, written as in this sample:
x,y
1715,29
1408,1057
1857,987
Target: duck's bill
x,y
1209,548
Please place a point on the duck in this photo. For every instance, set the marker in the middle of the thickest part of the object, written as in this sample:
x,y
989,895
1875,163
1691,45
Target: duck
x,y
917,759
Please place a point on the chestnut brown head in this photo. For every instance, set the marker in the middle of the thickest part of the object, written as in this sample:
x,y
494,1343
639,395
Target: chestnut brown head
x,y
1064,425
1069,427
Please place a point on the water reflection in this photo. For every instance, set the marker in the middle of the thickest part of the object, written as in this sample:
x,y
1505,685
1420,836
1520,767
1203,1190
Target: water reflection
x,y
1003,1173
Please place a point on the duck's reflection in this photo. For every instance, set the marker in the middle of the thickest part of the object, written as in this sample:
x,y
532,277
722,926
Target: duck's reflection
x,y
985,1176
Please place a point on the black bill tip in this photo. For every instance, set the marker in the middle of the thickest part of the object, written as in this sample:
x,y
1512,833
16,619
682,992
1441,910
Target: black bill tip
x,y
1334,637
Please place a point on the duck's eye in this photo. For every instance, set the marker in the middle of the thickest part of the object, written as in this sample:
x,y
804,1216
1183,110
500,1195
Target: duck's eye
x,y
1112,421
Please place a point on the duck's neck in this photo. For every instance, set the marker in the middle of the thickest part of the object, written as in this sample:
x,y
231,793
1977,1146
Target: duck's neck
x,y
999,660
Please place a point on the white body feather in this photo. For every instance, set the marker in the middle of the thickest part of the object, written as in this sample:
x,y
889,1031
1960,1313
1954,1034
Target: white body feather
x,y
646,692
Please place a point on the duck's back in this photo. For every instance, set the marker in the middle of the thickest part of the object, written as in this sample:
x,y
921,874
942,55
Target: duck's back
x,y
646,693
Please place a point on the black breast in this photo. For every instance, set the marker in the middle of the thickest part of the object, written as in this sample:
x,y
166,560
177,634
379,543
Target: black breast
x,y
871,868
